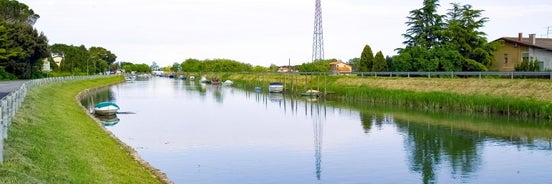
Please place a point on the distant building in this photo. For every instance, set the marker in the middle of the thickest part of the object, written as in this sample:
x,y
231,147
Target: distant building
x,y
284,69
340,67
57,59
516,50
46,65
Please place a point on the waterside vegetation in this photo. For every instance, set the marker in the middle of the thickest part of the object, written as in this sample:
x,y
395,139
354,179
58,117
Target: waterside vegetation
x,y
527,98
53,140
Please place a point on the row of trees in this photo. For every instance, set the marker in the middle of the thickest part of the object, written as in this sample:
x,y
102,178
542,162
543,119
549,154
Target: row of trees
x,y
80,60
21,46
434,42
23,50
450,42
215,65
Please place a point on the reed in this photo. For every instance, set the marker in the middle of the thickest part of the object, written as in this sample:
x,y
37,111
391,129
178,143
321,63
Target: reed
x,y
527,98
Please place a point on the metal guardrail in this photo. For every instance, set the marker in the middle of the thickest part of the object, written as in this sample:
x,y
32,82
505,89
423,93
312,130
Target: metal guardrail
x,y
438,74
9,105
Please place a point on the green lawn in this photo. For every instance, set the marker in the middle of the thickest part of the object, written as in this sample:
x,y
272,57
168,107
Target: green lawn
x,y
53,140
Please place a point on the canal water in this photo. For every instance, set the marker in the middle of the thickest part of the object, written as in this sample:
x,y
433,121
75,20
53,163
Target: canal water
x,y
199,133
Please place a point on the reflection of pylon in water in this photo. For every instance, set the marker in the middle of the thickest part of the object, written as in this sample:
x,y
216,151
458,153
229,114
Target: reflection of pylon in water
x,y
318,117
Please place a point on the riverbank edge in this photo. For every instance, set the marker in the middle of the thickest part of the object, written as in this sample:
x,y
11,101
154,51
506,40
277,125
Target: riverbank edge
x,y
153,173
131,151
429,100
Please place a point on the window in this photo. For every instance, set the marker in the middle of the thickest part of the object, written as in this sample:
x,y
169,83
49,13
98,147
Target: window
x,y
525,56
505,58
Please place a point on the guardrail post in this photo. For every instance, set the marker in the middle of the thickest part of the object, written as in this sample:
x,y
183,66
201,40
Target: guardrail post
x,y
4,104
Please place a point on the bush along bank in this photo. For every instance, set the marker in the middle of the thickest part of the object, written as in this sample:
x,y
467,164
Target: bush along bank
x,y
358,89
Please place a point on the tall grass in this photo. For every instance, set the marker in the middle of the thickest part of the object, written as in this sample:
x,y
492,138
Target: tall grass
x,y
528,98
53,140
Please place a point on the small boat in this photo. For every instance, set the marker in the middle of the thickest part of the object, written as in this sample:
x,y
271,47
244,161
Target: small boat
x,y
215,81
311,92
130,78
192,77
203,79
106,108
258,89
276,87
227,83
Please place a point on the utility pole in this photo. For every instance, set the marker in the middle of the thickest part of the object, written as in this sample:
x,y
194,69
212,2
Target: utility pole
x,y
318,38
548,32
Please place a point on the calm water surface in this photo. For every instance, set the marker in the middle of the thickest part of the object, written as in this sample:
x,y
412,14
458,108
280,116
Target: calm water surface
x,y
216,134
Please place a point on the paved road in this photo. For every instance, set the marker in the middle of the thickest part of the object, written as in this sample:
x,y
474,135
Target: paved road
x,y
6,87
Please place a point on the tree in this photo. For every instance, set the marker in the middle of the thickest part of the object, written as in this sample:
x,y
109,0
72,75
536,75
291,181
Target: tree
x,y
380,64
99,58
155,67
316,66
21,48
14,12
450,42
366,59
425,26
192,65
175,67
355,62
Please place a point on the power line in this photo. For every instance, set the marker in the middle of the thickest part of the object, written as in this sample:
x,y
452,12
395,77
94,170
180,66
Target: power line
x,y
548,32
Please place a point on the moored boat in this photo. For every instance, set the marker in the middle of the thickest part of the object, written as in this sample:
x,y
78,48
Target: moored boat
x,y
227,83
276,87
311,92
203,79
106,108
215,81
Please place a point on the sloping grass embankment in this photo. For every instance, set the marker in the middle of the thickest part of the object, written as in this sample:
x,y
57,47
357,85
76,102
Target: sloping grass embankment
x,y
53,140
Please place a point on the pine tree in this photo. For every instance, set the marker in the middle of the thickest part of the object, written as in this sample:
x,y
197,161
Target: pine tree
x,y
366,59
380,64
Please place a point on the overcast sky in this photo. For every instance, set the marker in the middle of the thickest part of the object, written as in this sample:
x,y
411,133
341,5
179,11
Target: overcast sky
x,y
259,32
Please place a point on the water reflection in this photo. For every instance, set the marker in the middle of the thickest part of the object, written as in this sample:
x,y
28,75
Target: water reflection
x,y
111,120
318,117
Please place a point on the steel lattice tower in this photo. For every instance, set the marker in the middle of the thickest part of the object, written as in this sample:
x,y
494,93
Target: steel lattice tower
x,y
318,37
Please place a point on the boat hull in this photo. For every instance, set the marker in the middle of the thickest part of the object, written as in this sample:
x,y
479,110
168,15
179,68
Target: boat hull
x,y
106,109
276,87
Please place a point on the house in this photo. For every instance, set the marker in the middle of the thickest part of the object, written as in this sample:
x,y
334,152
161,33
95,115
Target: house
x,y
340,67
57,58
285,69
515,50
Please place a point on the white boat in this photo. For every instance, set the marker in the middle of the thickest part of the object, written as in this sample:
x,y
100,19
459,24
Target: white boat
x,y
276,87
106,108
227,83
203,79
311,92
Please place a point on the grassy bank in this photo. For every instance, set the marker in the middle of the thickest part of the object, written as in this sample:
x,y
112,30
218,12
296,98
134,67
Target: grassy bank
x,y
529,98
53,140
